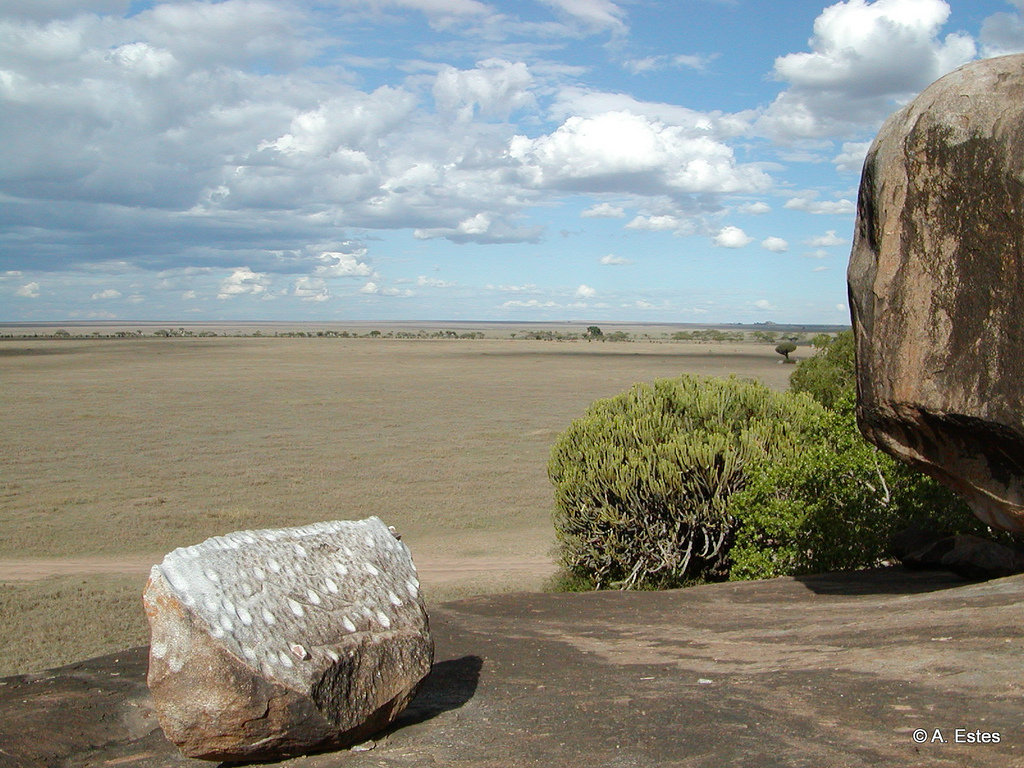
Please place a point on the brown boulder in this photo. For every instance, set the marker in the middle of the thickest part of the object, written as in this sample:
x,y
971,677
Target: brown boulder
x,y
274,643
936,283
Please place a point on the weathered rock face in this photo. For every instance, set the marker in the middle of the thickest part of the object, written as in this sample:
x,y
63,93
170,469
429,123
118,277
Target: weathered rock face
x,y
273,643
936,283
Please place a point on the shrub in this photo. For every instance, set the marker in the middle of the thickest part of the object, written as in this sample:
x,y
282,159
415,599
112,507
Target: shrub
x,y
643,480
834,506
830,375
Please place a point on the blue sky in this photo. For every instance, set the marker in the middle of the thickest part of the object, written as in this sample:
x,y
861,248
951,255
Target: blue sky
x,y
332,160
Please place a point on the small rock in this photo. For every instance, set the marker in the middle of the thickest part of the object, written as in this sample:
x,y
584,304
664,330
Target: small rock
x,y
275,643
972,557
976,558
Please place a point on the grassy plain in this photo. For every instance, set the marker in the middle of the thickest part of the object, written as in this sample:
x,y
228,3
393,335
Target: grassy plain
x,y
123,449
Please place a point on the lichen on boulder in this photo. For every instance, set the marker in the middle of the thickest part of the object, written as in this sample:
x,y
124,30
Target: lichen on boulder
x,y
273,643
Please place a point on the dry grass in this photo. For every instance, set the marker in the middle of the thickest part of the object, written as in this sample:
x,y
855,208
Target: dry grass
x,y
135,447
56,621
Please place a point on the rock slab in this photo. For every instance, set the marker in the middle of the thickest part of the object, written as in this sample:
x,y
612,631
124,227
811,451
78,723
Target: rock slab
x,y
936,281
836,670
273,643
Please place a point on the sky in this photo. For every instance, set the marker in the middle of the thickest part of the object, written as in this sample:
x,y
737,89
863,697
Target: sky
x,y
693,161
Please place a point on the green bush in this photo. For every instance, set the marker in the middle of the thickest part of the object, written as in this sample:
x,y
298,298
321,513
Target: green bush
x,y
829,376
643,480
834,506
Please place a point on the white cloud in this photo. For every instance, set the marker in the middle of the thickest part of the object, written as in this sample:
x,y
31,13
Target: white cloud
x,y
841,307
216,122
592,14
611,259
338,264
481,227
624,152
692,60
851,159
865,57
529,304
436,8
656,63
527,288
311,289
821,268
242,282
660,223
495,88
236,31
375,289
820,253
1003,33
576,101
827,240
28,291
585,292
45,9
535,303
756,209
775,244
109,293
433,282
189,296
603,211
808,204
731,237
765,305
647,64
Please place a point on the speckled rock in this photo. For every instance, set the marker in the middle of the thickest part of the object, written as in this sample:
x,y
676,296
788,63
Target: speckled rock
x,y
936,283
273,643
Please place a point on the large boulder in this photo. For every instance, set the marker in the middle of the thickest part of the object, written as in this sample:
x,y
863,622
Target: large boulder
x,y
274,643
936,283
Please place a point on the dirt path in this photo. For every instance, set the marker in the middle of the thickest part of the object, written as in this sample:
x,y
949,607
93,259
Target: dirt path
x,y
432,570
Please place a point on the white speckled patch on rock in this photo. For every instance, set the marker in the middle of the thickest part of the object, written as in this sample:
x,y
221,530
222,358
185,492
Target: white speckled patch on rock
x,y
271,642
261,592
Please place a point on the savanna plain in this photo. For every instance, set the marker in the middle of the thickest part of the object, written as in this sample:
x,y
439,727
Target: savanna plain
x,y
116,451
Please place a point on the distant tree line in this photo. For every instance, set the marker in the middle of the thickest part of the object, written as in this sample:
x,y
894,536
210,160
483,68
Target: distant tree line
x,y
592,333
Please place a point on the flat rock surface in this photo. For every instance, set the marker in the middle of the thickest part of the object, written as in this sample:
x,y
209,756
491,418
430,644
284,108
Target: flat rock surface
x,y
835,670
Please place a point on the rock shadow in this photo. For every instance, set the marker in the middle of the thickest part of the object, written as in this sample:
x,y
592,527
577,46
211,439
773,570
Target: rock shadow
x,y
894,580
449,686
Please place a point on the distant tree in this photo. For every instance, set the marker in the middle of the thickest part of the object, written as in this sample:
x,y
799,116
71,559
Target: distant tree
x,y
593,332
785,348
374,334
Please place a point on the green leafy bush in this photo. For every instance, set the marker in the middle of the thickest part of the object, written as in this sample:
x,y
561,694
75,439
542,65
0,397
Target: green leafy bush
x,y
834,506
643,480
829,376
